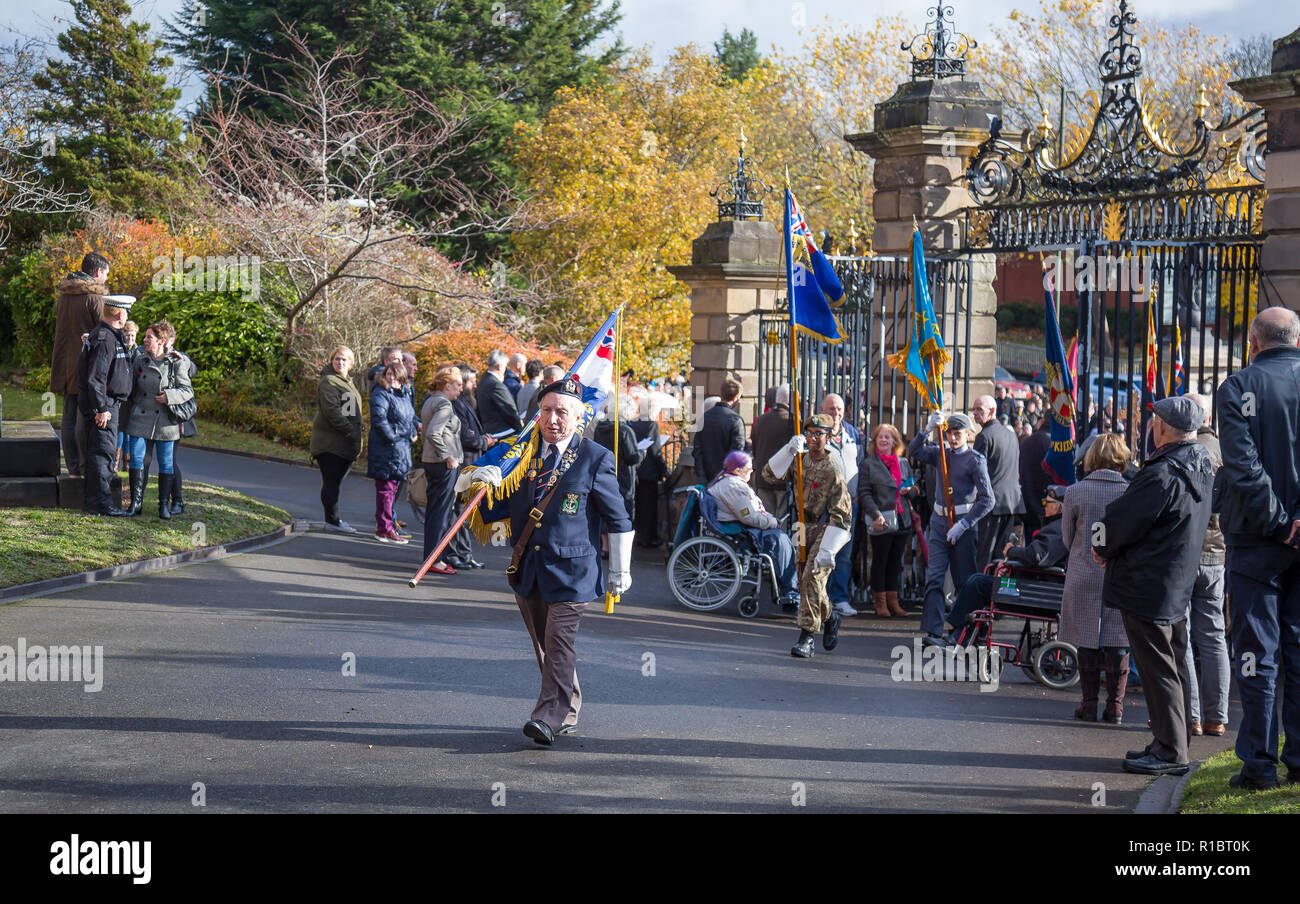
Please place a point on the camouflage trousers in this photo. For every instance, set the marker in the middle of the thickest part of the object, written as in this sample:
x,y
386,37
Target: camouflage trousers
x,y
814,604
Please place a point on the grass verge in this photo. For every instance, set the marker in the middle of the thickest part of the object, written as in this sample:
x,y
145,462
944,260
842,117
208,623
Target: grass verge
x,y
41,543
1207,791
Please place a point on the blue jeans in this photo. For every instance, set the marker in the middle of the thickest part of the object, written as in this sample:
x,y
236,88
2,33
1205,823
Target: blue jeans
x,y
961,557
1264,593
784,561
837,586
136,445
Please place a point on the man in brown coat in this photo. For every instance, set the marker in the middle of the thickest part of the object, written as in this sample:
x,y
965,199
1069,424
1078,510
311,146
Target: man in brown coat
x,y
80,307
772,429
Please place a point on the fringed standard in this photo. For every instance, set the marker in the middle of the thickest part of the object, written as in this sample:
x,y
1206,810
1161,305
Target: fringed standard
x,y
521,454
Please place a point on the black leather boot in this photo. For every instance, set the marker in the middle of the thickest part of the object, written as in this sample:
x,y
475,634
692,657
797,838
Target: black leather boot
x,y
831,632
1089,683
164,496
137,490
177,501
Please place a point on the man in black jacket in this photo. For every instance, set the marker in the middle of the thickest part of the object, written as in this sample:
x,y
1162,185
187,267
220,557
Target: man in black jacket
x,y
1149,542
496,405
104,381
721,431
1257,496
1033,479
1002,450
475,442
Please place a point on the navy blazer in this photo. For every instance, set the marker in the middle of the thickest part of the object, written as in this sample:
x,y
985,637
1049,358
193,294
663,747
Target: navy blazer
x,y
562,561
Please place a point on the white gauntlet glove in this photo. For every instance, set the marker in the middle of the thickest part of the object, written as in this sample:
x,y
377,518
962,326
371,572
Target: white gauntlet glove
x,y
937,418
489,474
833,540
620,564
955,532
784,457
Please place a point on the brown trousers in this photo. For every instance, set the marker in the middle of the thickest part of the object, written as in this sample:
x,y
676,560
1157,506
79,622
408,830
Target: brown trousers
x,y
553,628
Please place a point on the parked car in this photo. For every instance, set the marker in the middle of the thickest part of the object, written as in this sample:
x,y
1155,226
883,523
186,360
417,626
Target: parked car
x,y
1014,388
1104,386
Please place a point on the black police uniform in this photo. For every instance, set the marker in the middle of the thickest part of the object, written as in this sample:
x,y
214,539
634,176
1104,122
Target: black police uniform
x,y
104,382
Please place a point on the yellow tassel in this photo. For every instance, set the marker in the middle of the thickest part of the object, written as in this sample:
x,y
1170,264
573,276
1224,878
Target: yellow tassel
x,y
610,600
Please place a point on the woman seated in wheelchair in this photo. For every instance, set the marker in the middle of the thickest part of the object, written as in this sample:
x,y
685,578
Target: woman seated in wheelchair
x,y
738,503
1047,549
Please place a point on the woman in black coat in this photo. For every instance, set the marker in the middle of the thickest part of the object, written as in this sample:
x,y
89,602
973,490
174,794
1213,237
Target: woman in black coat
x,y
883,485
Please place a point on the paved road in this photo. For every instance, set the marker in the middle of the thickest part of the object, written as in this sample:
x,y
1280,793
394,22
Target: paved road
x,y
230,674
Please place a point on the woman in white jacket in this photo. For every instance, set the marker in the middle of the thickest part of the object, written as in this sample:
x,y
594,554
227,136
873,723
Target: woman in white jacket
x,y
738,502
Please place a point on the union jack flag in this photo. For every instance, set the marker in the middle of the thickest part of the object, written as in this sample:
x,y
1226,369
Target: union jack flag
x,y
799,226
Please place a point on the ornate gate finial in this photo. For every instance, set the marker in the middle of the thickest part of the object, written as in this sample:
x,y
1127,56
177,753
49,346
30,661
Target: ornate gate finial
x,y
741,196
939,51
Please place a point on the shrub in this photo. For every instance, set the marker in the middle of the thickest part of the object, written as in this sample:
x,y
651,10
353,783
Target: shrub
x,y
224,332
33,305
38,379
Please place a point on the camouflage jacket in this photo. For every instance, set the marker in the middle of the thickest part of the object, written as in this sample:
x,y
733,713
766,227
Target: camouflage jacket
x,y
826,497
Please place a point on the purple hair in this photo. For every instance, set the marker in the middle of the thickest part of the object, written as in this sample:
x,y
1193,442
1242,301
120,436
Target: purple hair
x,y
735,461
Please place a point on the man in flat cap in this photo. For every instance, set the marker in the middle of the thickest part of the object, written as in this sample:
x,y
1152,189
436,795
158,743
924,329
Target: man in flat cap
x,y
952,546
569,496
1149,541
827,519
104,381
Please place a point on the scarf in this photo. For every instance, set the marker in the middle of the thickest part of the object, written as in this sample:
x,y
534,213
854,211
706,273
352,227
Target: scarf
x,y
891,462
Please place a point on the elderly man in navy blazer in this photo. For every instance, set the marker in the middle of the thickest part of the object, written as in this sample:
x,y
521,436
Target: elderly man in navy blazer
x,y
569,496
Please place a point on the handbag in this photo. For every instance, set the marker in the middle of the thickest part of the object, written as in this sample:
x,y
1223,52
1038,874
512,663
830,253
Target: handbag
x,y
181,411
417,487
891,523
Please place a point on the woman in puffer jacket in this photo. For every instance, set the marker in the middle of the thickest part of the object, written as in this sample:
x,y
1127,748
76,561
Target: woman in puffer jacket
x,y
161,381
739,503
388,459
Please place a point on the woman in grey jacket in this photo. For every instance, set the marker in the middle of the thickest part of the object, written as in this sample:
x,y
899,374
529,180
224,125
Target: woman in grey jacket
x,y
161,381
441,455
1093,629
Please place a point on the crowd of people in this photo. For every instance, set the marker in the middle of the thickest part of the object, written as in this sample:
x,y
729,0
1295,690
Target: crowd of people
x,y
120,401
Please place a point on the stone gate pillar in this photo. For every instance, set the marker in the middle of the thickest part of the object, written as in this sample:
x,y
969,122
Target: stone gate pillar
x,y
923,138
1279,95
734,278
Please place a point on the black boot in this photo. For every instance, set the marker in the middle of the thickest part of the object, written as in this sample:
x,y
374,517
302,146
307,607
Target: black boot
x,y
164,496
831,632
1116,685
803,647
178,503
137,490
1089,683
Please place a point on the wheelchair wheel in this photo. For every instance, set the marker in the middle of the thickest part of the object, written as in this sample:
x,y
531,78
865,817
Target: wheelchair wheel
x,y
748,607
990,665
704,574
1056,664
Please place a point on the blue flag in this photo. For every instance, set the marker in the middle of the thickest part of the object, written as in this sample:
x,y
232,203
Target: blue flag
x,y
924,359
1059,462
811,291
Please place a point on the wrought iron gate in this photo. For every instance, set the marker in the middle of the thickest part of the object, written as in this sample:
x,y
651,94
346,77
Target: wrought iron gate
x,y
1176,227
874,320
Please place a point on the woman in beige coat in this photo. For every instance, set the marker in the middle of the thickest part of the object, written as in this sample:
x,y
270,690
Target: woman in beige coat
x,y
441,455
1094,630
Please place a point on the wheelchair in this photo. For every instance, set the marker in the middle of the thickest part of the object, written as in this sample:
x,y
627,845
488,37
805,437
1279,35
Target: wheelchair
x,y
711,562
1034,596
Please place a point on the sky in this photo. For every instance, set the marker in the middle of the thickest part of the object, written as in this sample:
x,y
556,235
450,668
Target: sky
x,y
665,24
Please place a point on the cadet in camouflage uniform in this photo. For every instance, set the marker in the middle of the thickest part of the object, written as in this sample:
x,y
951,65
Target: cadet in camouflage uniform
x,y
828,513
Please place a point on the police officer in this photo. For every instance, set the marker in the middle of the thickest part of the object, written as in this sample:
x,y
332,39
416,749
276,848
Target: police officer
x,y
556,516
972,497
828,513
104,381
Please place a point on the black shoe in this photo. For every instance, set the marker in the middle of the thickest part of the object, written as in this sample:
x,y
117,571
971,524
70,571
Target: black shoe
x,y
567,729
803,647
935,640
178,507
115,512
474,563
831,632
1250,783
1150,764
539,732
457,563
1137,754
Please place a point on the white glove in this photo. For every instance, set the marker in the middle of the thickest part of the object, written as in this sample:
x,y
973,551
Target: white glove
x,y
620,563
784,457
489,474
833,540
955,532
937,418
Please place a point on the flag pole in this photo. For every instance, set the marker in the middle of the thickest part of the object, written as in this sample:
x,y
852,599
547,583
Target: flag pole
x,y
442,544
611,599
795,403
936,387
